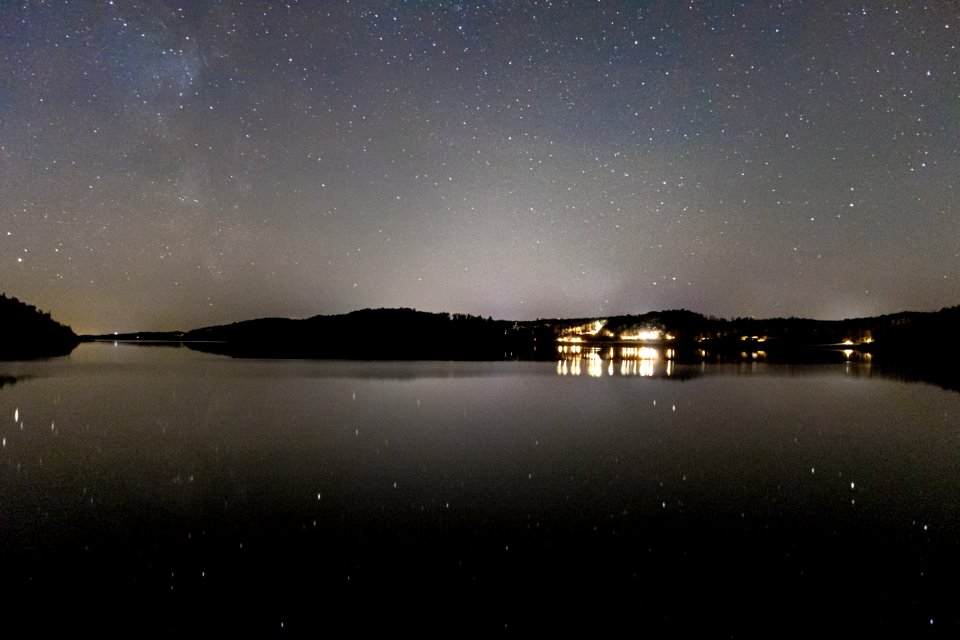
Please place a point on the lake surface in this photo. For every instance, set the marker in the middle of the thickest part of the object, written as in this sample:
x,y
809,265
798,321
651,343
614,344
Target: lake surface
x,y
162,488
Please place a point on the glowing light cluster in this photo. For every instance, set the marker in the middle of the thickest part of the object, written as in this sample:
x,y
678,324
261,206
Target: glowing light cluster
x,y
644,335
570,334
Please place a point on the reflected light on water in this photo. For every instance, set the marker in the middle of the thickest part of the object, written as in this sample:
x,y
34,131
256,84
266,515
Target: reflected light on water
x,y
640,353
594,365
644,368
597,362
575,367
124,476
572,350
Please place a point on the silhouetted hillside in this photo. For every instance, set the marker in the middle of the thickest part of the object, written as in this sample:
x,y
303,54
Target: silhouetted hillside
x,y
391,334
26,332
409,334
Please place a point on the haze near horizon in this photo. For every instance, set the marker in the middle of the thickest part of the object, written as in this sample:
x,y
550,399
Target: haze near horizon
x,y
174,165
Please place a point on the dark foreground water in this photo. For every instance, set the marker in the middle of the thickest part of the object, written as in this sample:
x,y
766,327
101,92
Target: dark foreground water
x,y
151,489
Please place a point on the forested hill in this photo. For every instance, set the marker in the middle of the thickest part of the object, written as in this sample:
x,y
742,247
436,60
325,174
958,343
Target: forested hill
x,y
411,334
403,334
26,332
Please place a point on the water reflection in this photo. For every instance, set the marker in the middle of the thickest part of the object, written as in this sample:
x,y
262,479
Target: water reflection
x,y
660,362
598,362
208,479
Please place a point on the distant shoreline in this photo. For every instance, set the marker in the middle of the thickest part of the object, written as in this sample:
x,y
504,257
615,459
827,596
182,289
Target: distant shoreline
x,y
407,334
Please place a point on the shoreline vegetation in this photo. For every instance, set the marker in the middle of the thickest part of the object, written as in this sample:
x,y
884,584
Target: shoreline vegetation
x,y
403,334
27,333
901,339
407,334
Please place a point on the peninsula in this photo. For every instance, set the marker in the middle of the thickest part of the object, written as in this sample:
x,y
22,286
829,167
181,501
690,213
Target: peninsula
x,y
26,332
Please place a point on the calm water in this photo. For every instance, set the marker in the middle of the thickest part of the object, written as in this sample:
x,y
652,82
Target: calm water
x,y
161,488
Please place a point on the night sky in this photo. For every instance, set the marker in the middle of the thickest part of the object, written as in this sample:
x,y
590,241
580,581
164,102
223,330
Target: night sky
x,y
170,165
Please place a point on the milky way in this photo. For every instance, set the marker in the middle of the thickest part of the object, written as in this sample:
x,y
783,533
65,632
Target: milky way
x,y
170,165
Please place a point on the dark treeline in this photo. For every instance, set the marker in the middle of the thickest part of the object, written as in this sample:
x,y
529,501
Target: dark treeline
x,y
372,334
405,334
26,332
900,331
410,334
